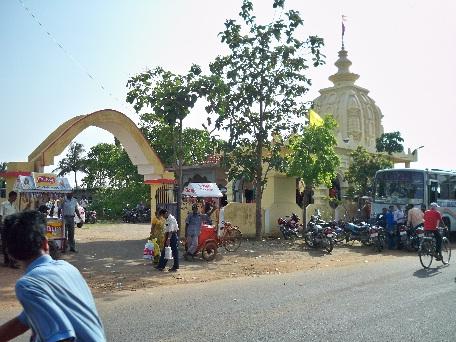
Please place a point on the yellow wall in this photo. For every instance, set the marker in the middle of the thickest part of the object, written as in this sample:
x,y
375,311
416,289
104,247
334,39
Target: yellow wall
x,y
243,216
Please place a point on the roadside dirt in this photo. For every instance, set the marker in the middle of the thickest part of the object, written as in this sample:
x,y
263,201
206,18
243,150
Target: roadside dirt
x,y
110,258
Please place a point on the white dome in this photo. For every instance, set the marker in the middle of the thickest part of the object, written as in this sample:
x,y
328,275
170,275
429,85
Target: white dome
x,y
358,116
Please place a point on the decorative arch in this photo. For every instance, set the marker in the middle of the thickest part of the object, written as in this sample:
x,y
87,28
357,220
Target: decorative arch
x,y
123,128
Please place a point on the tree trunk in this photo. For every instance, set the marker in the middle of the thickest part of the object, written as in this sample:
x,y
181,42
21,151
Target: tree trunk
x,y
179,176
75,180
259,178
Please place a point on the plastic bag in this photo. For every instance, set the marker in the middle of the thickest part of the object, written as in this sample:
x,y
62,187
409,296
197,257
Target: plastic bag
x,y
148,250
168,253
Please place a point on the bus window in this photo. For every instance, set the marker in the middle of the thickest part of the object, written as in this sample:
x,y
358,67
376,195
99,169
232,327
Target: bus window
x,y
444,192
452,187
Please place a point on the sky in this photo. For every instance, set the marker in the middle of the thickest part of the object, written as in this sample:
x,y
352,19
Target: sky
x,y
404,52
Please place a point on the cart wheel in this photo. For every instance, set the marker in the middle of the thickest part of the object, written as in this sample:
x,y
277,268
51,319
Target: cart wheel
x,y
232,239
54,251
209,251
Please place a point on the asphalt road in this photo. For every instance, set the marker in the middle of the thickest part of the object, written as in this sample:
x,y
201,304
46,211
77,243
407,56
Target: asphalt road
x,y
391,301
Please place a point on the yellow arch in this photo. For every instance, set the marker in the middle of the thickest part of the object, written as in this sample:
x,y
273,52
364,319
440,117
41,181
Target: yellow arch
x,y
123,128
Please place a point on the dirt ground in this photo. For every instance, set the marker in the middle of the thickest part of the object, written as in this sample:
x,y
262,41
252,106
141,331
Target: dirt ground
x,y
110,258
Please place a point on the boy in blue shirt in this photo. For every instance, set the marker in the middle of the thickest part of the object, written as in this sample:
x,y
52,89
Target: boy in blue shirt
x,y
57,303
390,226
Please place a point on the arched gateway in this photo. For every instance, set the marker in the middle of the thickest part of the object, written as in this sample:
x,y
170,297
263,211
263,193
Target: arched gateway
x,y
124,129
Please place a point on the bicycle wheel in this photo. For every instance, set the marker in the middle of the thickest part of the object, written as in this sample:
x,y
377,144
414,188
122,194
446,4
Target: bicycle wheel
x,y
426,254
446,251
232,239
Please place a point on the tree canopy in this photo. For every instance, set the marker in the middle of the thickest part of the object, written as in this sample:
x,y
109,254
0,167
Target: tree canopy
x,y
256,90
72,162
362,169
390,143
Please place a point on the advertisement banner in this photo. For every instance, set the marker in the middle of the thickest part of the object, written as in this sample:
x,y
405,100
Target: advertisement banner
x,y
54,229
45,180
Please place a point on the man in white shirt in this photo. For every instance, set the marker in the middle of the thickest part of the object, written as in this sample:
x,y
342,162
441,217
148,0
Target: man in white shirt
x,y
68,208
171,239
7,208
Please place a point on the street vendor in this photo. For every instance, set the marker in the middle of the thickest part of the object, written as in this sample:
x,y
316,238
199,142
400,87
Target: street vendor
x,y
192,230
67,209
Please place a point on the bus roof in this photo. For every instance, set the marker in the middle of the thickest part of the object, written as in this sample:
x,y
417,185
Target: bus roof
x,y
448,172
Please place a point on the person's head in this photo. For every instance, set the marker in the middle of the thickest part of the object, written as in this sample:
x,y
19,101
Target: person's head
x,y
12,196
195,208
423,207
409,206
384,210
70,195
433,206
399,207
25,235
164,213
157,212
391,207
43,208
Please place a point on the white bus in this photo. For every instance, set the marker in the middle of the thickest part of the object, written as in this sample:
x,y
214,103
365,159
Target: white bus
x,y
414,186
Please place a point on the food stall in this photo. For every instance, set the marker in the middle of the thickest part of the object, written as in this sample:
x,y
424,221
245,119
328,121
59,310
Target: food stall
x,y
206,194
42,188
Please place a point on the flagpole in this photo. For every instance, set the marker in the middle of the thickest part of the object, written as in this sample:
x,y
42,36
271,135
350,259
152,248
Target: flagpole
x,y
343,31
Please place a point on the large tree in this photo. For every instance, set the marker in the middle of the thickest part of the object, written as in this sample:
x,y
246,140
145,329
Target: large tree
x,y
256,90
362,169
170,96
73,161
390,143
312,156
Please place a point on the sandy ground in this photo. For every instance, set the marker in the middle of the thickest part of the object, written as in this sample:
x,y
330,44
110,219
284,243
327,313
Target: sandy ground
x,y
110,258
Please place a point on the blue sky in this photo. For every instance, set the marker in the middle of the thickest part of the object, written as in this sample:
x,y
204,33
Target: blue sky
x,y
403,50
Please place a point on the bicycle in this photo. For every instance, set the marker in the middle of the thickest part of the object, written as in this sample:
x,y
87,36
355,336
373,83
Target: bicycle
x,y
427,250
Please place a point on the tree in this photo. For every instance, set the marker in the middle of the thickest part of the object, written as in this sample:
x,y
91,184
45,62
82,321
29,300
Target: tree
x,y
2,180
170,96
73,162
362,169
197,144
390,143
312,156
256,91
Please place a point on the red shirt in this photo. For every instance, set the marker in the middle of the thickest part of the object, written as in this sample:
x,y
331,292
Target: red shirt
x,y
431,219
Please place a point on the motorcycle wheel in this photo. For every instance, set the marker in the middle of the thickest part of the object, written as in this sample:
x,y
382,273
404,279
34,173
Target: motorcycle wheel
x,y
209,251
308,241
378,245
329,245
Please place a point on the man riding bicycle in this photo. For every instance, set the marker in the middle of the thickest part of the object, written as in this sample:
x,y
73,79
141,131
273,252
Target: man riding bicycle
x,y
432,219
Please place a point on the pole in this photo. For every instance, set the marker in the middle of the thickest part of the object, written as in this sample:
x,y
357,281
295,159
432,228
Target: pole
x,y
179,176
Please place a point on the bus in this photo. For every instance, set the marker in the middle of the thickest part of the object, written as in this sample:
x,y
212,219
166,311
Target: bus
x,y
415,186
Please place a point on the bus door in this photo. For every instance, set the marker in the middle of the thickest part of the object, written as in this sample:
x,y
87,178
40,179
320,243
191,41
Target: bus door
x,y
434,189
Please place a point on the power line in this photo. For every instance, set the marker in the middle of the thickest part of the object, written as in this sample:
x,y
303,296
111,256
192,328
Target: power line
x,y
69,55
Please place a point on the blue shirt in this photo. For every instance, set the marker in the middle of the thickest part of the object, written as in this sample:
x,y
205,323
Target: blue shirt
x,y
57,302
389,216
194,223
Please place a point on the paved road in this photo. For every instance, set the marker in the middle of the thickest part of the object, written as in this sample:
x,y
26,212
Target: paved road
x,y
390,301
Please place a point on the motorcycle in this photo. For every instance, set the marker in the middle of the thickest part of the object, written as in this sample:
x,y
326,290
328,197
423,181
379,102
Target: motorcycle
x,y
368,235
412,239
318,236
91,216
289,226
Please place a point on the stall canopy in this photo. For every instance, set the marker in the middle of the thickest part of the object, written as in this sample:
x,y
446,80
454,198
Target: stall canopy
x,y
202,190
42,182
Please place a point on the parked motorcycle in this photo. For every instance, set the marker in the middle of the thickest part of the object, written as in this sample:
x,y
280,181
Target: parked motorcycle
x,y
412,239
317,236
91,216
368,235
289,226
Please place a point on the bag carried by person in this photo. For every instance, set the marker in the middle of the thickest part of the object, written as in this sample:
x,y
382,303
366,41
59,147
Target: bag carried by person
x,y
148,250
168,253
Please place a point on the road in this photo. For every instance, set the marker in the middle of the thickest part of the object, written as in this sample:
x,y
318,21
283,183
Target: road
x,y
390,301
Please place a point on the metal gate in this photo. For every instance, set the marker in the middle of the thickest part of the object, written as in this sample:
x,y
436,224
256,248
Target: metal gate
x,y
166,197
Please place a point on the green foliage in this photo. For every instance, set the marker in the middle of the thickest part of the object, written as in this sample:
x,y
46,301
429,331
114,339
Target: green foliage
x,y
362,169
312,155
2,180
256,90
197,144
115,179
73,162
390,143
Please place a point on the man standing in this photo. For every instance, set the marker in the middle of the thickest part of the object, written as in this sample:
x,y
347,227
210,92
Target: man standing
x,y
432,219
390,225
57,303
192,231
414,217
7,208
68,208
171,239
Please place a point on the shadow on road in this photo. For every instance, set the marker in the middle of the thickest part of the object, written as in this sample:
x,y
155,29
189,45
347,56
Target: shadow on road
x,y
429,272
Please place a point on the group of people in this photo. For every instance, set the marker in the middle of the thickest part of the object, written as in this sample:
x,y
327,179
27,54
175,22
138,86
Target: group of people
x,y
166,230
392,218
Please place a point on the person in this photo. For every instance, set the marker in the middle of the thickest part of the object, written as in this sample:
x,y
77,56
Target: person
x,y
171,240
84,202
381,218
57,303
156,231
432,219
366,211
192,231
414,217
209,208
7,208
399,220
390,224
69,207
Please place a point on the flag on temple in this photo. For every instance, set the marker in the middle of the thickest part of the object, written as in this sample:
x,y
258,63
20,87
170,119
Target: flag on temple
x,y
314,118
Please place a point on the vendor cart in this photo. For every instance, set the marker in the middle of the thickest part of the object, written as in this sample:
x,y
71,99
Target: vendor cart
x,y
212,236
41,188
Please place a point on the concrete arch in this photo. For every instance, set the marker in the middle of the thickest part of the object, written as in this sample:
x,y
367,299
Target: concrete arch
x,y
123,128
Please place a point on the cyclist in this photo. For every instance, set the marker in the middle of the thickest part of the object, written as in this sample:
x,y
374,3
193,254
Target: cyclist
x,y
432,219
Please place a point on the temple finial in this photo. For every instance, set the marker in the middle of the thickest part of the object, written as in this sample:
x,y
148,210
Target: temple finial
x,y
344,18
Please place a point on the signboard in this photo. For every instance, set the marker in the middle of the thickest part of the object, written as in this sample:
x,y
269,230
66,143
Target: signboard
x,y
42,182
54,229
45,180
202,190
